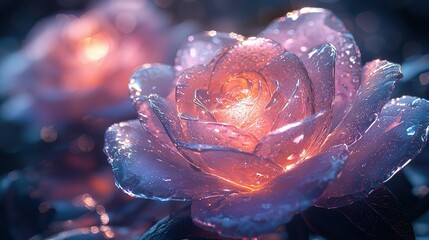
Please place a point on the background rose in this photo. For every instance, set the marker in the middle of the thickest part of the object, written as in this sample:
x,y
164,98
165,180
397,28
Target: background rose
x,y
269,128
73,67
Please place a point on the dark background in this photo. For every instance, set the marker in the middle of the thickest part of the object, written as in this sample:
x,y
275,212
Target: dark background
x,y
395,30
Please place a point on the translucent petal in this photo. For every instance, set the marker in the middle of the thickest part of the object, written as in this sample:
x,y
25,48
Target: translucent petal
x,y
219,134
237,91
294,84
243,168
253,213
151,79
146,167
290,143
300,31
320,65
188,82
249,55
283,73
378,80
202,48
396,137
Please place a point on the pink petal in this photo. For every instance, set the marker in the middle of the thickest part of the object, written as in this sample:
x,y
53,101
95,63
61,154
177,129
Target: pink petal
x,y
241,168
396,137
188,83
146,80
284,73
290,143
152,79
378,79
221,160
320,65
146,167
219,134
254,213
300,31
202,48
295,85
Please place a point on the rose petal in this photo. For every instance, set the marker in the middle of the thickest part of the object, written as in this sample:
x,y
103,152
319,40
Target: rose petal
x,y
378,80
320,65
254,213
295,85
146,80
151,79
242,168
146,167
188,83
216,160
284,72
396,137
219,134
202,48
300,31
289,144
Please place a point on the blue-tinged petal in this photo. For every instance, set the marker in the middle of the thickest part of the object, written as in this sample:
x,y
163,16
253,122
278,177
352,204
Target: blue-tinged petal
x,y
202,48
254,213
397,136
300,31
151,79
146,167
290,143
378,83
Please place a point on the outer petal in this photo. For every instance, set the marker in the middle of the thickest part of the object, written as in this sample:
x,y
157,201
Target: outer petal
x,y
146,167
245,169
320,65
300,31
290,143
253,213
378,82
222,161
396,137
203,47
151,79
188,83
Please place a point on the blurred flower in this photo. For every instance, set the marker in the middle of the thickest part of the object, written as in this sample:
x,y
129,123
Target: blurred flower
x,y
40,204
75,67
255,130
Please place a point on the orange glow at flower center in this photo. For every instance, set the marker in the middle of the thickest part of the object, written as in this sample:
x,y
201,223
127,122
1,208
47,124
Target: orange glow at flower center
x,y
94,48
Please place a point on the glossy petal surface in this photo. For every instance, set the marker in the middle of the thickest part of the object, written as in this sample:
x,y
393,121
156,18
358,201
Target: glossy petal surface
x,y
300,31
146,167
188,83
242,168
396,137
219,134
292,99
378,82
151,79
202,48
251,214
290,143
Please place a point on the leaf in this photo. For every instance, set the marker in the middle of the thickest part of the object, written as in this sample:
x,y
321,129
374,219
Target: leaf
x,y
178,225
378,216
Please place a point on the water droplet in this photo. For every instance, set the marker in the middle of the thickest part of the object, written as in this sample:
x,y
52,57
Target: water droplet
x,y
411,130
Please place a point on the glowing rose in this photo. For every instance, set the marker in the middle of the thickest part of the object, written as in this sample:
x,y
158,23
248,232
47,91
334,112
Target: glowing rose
x,y
252,131
72,66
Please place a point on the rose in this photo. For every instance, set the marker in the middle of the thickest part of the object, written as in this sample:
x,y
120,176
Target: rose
x,y
255,130
75,66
